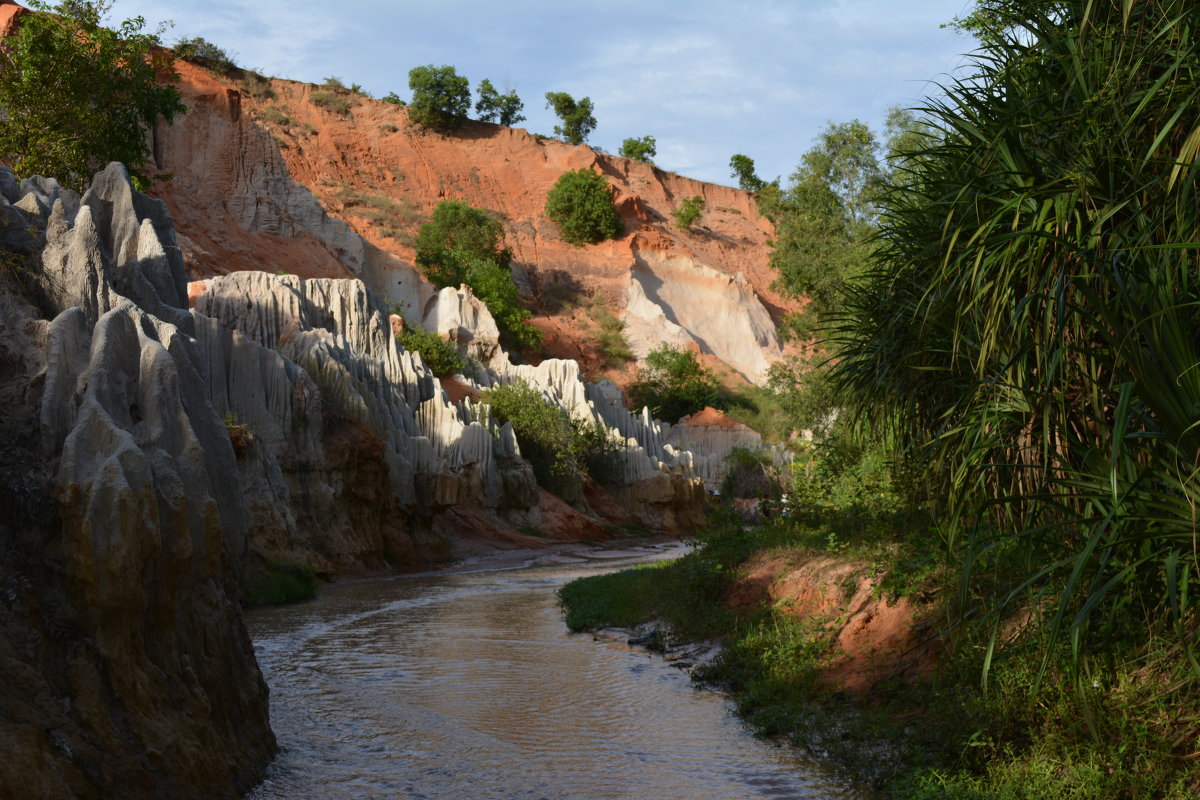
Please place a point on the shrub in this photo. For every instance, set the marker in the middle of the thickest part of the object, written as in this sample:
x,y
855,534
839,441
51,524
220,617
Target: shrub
x,y
673,384
504,109
332,101
577,119
205,53
611,344
75,95
743,170
441,97
563,452
393,98
256,86
440,355
281,583
458,226
394,218
276,115
643,149
750,473
461,244
688,212
581,205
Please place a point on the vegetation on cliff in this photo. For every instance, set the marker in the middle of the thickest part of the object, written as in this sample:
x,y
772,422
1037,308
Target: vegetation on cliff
x,y
564,451
441,97
75,95
1011,309
641,148
460,245
578,121
580,203
673,384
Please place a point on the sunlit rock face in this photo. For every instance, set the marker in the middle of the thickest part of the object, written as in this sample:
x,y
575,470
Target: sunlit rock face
x,y
127,669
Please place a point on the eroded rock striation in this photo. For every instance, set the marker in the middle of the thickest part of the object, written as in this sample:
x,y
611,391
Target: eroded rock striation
x,y
127,669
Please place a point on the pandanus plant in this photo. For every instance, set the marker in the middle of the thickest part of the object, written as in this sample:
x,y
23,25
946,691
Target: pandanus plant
x,y
1030,326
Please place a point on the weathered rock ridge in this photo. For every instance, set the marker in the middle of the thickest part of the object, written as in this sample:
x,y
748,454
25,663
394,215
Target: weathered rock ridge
x,y
127,670
256,163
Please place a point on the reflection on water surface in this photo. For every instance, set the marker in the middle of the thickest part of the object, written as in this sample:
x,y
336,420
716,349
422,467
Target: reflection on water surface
x,y
467,685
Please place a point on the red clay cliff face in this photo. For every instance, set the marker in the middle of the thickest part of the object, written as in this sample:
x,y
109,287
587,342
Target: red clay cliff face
x,y
235,153
875,638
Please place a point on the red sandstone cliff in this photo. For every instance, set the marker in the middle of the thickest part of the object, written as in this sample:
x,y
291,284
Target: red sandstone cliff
x,y
243,156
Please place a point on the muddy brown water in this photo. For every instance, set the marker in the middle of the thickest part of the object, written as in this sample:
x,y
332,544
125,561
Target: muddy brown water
x,y
467,684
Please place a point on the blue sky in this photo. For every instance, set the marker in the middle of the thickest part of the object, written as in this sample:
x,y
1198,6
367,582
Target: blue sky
x,y
706,79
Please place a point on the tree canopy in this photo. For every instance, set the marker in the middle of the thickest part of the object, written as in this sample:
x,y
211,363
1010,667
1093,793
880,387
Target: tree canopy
x,y
643,148
578,121
441,97
504,109
1029,324
461,245
75,95
743,170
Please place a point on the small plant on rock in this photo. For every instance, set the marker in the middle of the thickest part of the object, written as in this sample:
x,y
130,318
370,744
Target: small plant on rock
x,y
688,212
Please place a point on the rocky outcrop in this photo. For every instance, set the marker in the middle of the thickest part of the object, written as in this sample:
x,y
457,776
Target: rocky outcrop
x,y
337,338
128,671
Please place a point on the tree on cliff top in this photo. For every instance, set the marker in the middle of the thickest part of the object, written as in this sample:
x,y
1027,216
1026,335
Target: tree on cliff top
x,y
504,109
75,95
640,149
441,97
577,118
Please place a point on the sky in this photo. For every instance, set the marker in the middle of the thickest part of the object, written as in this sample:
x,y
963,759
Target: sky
x,y
706,79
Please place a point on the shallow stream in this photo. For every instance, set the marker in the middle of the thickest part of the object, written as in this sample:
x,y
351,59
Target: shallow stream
x,y
467,684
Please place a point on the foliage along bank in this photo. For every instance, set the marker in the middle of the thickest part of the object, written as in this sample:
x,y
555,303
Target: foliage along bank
x,y
1018,339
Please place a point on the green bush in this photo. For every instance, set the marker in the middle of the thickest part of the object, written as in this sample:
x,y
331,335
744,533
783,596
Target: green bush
x,y
688,212
205,53
562,451
441,97
440,355
504,109
673,384
281,583
458,227
640,149
393,98
75,95
743,170
750,473
581,205
611,343
461,244
333,101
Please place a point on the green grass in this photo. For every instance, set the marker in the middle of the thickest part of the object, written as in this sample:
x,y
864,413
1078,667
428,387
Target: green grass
x,y
396,219
333,101
1027,736
279,584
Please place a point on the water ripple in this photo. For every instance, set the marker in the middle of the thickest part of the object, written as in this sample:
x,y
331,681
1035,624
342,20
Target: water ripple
x,y
468,685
